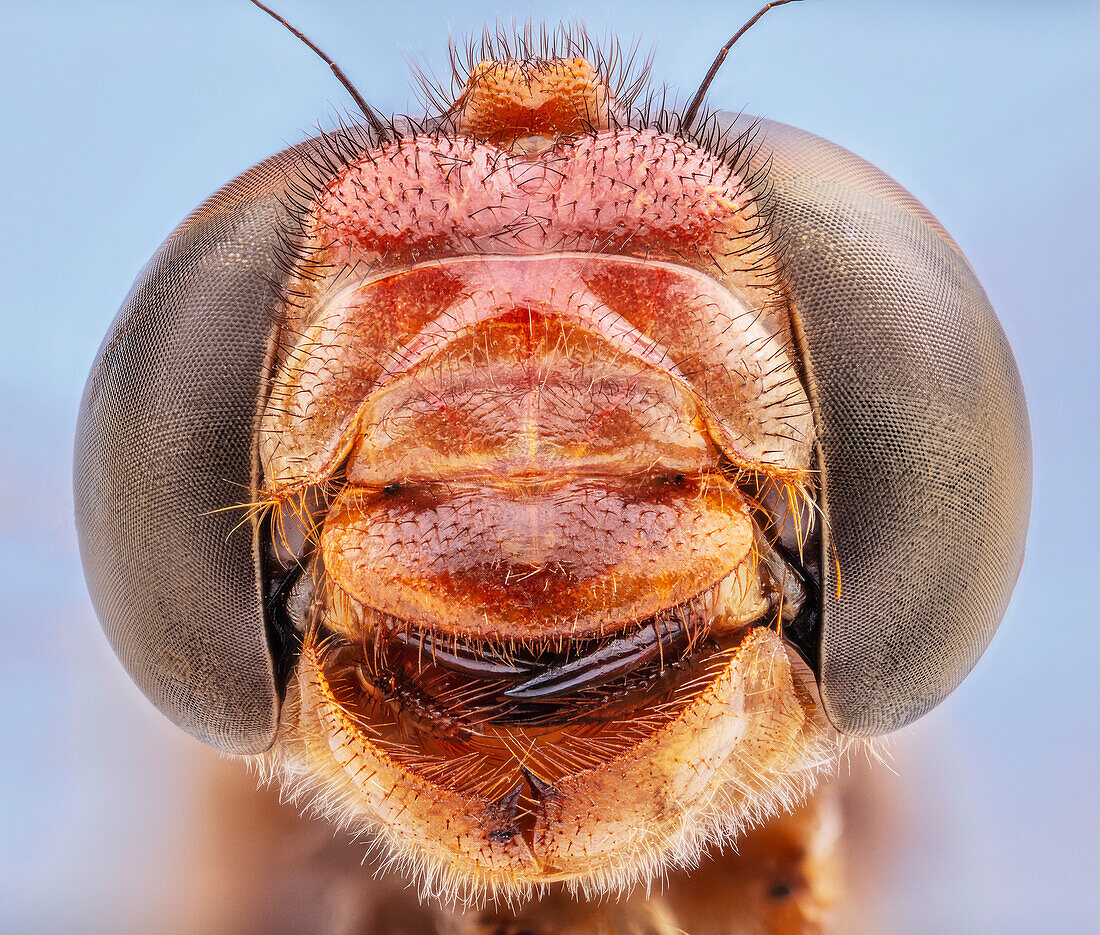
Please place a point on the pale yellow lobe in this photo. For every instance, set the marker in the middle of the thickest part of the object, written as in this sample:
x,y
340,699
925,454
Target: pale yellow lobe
x,y
746,746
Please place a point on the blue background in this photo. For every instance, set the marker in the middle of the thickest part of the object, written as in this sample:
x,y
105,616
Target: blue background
x,y
120,117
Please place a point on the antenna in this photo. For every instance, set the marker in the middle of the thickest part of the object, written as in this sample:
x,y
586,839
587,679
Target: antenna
x,y
369,112
697,101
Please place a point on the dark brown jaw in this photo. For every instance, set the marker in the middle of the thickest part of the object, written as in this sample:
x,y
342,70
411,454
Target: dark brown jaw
x,y
522,712
442,686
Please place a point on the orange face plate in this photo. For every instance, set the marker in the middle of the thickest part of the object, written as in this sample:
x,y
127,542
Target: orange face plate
x,y
532,361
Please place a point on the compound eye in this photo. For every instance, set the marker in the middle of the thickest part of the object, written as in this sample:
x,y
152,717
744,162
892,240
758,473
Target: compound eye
x,y
165,457
924,443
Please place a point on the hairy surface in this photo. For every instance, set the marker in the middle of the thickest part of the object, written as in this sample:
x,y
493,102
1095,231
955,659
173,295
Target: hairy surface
x,y
257,866
537,412
619,811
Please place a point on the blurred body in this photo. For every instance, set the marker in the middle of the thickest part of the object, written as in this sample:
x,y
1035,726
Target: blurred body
x,y
260,868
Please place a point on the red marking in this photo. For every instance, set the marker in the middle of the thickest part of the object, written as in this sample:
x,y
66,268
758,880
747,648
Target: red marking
x,y
632,192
